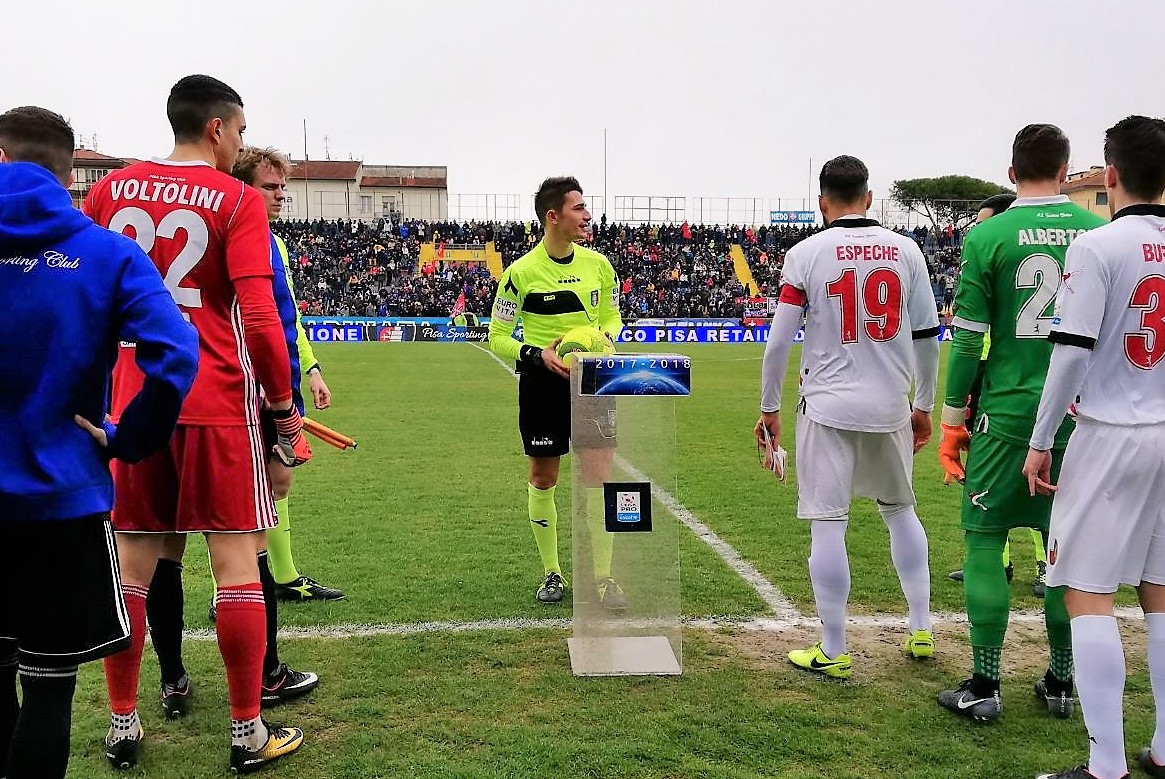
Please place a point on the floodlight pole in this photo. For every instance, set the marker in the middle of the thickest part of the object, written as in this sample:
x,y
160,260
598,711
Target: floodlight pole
x,y
604,171
809,197
306,193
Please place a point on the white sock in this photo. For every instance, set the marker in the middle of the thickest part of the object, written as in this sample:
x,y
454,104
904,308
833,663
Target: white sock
x,y
829,575
911,556
124,726
1156,625
1100,685
248,733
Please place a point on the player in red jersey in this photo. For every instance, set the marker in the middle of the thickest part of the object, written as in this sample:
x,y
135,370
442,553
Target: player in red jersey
x,y
207,234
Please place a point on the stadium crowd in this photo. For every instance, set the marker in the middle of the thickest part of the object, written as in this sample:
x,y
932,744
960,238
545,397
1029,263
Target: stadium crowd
x,y
352,268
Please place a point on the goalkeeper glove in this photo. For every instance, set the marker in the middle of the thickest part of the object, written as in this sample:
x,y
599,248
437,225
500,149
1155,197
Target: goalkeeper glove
x,y
955,441
290,446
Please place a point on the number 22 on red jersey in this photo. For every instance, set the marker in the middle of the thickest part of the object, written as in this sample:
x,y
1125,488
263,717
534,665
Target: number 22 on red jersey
x,y
136,222
203,229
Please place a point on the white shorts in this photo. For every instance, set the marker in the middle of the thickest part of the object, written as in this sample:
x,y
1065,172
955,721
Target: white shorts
x,y
1108,517
833,465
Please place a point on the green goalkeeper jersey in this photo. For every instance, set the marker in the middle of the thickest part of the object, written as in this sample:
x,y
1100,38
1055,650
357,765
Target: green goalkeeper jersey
x,y
551,297
1012,268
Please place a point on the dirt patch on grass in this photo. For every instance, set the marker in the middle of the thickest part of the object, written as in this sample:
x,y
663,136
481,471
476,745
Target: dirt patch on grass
x,y
879,649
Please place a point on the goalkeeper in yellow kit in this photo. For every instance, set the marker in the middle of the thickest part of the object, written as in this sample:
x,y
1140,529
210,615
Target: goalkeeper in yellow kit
x,y
554,287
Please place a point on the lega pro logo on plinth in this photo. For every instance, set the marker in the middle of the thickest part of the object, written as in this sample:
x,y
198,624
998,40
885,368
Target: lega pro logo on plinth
x,y
628,506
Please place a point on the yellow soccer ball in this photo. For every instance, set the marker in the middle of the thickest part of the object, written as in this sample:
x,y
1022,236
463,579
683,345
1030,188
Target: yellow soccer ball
x,y
587,339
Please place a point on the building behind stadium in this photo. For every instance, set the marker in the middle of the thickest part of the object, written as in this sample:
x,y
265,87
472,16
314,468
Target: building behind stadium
x,y
323,189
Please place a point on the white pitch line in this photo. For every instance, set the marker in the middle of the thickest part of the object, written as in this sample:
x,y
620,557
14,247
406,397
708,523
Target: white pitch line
x,y
782,607
348,630
768,592
496,359
758,625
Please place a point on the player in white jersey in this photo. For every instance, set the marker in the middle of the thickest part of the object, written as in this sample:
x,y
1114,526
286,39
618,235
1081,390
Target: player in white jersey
x,y
1108,517
871,330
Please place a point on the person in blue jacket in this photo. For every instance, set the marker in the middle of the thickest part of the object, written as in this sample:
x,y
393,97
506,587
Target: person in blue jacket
x,y
69,292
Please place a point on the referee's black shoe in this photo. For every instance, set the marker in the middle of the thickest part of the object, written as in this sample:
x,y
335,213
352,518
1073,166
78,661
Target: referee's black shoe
x,y
611,595
552,589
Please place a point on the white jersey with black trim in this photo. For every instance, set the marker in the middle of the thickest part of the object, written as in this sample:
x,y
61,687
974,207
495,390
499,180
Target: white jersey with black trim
x,y
1112,301
867,295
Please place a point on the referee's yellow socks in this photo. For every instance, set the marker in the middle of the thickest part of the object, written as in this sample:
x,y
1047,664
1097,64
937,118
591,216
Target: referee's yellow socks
x,y
602,542
544,523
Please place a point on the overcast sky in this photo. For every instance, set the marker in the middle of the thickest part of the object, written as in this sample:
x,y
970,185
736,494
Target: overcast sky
x,y
699,98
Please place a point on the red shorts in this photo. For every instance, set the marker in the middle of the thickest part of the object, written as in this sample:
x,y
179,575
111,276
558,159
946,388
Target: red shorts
x,y
208,480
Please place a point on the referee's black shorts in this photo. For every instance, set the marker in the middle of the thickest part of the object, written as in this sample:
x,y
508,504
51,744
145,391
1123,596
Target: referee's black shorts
x,y
64,605
544,415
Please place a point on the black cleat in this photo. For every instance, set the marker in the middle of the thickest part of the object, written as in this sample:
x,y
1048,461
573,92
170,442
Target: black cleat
x,y
212,614
1149,765
280,741
285,683
307,588
1079,772
123,753
1057,696
176,698
1040,585
957,576
975,698
552,589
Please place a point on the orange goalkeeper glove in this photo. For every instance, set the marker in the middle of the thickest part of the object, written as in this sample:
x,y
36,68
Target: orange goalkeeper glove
x,y
290,447
955,441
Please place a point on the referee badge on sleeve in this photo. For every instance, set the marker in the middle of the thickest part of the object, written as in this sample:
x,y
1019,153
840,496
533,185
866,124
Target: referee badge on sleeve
x,y
594,298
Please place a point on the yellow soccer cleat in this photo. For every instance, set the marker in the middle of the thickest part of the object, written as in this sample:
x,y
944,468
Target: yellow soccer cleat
x,y
280,741
920,644
814,659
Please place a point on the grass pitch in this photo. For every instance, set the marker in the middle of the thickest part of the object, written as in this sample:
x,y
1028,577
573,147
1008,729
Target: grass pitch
x,y
426,522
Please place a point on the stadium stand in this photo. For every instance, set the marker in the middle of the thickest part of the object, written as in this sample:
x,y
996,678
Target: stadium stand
x,y
419,269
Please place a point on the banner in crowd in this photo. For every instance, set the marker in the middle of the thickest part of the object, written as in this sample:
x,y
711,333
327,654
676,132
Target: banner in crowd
x,y
425,330
792,217
396,332
704,334
375,320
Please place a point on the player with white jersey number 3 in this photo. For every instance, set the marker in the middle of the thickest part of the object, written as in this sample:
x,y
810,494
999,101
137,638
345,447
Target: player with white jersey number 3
x,y
1108,517
871,330
207,234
